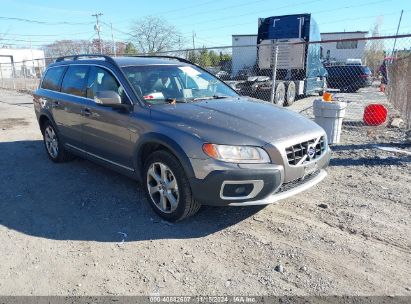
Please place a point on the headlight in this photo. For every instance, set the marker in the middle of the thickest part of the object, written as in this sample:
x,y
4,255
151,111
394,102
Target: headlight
x,y
236,154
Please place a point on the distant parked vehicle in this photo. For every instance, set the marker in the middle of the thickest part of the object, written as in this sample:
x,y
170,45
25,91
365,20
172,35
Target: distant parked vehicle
x,y
348,78
223,75
243,74
299,70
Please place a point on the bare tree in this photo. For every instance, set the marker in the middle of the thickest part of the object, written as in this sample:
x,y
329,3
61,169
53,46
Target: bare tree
x,y
374,51
67,47
152,35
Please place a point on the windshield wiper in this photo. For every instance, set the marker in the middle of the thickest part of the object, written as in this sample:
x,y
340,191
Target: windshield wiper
x,y
174,100
211,97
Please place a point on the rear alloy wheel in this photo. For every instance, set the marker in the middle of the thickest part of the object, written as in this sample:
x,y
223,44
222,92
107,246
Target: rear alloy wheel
x,y
167,187
291,92
279,97
54,148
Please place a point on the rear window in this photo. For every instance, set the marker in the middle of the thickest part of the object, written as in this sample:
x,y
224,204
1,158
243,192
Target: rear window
x,y
52,79
74,81
346,70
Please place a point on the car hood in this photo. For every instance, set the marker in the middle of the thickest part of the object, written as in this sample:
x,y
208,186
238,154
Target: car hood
x,y
241,121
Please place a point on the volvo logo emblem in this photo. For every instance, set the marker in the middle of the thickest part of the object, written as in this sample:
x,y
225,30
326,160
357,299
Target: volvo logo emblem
x,y
310,152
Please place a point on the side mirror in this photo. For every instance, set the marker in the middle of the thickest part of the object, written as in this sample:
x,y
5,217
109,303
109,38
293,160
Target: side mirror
x,y
107,98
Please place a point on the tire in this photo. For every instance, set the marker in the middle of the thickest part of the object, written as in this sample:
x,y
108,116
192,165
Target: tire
x,y
164,173
279,97
349,89
53,145
291,93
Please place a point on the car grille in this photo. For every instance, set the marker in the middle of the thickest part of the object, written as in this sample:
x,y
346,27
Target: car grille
x,y
296,152
295,183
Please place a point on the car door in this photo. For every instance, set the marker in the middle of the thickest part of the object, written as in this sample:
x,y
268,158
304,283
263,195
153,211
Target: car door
x,y
105,129
67,105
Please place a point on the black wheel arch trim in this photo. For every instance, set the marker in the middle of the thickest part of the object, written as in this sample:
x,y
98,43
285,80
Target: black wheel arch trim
x,y
170,144
49,118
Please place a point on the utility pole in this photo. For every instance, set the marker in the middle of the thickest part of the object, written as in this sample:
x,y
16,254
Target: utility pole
x,y
395,40
97,28
194,35
112,38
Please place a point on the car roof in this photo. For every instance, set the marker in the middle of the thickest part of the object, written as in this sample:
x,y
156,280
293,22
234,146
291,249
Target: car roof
x,y
128,61
119,61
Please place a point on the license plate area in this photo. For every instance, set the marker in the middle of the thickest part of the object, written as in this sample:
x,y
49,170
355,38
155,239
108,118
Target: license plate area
x,y
310,168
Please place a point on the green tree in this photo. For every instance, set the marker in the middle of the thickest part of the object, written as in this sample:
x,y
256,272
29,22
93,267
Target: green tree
x,y
225,57
214,58
130,49
193,57
204,58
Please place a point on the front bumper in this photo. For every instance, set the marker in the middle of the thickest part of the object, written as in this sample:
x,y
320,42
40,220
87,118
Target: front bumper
x,y
209,190
301,185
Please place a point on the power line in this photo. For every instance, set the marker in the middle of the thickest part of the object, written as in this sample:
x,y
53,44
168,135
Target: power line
x,y
249,13
45,35
23,40
168,12
333,21
44,22
189,34
360,18
287,6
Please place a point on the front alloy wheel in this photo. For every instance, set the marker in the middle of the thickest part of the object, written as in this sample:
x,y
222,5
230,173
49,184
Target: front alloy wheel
x,y
167,187
162,187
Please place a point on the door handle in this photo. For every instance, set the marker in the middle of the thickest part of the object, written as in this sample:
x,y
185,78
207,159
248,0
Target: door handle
x,y
87,112
55,104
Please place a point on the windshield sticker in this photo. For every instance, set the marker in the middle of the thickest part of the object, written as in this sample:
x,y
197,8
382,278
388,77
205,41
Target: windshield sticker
x,y
189,71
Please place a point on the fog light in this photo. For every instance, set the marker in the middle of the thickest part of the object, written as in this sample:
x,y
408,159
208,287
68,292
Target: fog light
x,y
237,190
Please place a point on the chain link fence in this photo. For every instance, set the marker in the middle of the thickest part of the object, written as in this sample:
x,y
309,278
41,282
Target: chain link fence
x,y
360,72
399,86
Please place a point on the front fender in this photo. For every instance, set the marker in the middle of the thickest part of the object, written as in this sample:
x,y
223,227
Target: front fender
x,y
169,143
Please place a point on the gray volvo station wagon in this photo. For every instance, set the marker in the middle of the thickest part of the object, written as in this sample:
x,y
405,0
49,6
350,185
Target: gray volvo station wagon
x,y
189,138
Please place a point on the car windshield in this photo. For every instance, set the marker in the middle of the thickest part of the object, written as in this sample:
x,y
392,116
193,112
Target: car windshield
x,y
175,83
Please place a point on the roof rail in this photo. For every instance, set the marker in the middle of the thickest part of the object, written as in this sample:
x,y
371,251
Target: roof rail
x,y
78,57
161,56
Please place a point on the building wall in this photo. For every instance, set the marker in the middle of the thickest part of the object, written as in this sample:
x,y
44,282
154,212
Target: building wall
x,y
243,57
24,65
341,55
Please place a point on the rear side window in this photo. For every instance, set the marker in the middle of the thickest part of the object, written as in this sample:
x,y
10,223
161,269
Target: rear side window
x,y
52,79
74,81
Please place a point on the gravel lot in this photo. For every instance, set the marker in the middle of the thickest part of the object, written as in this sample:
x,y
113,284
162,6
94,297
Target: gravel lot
x,y
79,229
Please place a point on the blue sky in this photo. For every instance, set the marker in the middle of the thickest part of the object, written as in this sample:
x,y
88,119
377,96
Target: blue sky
x,y
213,21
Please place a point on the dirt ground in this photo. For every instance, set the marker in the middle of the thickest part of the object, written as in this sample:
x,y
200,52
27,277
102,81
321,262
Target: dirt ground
x,y
79,229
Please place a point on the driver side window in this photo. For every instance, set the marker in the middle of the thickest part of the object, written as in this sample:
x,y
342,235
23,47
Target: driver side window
x,y
102,80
